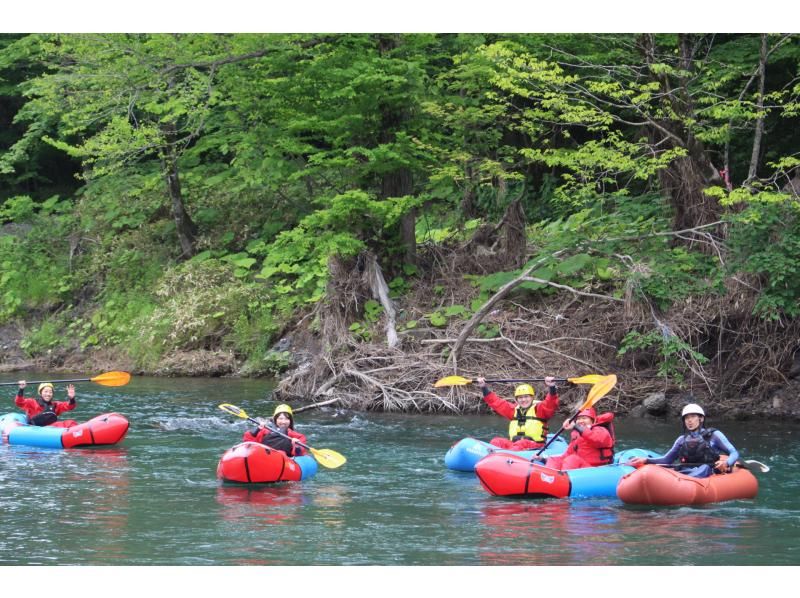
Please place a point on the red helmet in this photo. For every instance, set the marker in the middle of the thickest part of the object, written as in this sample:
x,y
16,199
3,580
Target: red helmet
x,y
590,412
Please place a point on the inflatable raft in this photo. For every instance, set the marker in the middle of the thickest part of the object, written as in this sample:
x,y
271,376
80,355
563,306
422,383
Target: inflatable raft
x,y
255,463
512,475
465,454
109,428
657,485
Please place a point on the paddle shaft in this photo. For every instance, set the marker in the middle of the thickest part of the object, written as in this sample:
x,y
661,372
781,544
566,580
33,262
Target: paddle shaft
x,y
556,435
277,431
50,381
745,464
524,380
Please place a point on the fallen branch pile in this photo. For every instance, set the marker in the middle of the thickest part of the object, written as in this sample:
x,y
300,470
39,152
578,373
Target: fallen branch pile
x,y
569,333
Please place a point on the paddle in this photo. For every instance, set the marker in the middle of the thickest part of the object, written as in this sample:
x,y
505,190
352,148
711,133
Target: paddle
x,y
459,381
107,379
750,464
325,457
602,386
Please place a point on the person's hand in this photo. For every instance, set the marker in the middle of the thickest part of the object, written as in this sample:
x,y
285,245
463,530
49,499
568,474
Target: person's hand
x,y
71,391
637,462
549,381
569,424
481,381
722,466
22,384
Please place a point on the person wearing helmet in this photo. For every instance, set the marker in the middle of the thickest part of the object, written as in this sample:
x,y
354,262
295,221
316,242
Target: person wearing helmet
x,y
267,432
527,428
43,410
591,442
699,451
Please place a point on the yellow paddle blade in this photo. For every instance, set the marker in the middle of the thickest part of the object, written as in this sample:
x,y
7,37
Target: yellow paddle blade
x,y
112,379
600,389
452,381
234,410
328,458
588,379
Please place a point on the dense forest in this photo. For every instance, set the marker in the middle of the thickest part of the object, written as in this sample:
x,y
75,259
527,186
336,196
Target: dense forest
x,y
362,214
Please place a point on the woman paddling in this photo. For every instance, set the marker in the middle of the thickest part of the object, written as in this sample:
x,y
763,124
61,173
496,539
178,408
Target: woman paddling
x,y
267,433
591,442
699,450
43,410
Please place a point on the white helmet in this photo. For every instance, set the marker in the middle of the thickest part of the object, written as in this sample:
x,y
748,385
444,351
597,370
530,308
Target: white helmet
x,y
693,408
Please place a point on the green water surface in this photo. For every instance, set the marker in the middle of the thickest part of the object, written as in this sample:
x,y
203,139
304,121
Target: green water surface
x,y
154,499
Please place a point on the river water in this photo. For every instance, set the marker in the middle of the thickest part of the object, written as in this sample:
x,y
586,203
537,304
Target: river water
x,y
154,499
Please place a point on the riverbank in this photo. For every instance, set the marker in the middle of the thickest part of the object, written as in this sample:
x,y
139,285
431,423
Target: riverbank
x,y
372,377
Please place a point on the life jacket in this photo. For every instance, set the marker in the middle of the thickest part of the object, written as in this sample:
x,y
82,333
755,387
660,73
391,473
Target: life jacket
x,y
278,442
606,453
527,426
697,448
48,414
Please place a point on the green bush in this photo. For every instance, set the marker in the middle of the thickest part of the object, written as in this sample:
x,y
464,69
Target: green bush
x,y
765,240
43,338
198,304
674,355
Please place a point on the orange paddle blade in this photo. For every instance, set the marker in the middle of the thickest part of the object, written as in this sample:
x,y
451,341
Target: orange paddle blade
x,y
600,389
112,379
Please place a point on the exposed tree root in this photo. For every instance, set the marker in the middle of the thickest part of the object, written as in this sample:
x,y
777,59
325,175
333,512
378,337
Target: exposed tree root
x,y
572,333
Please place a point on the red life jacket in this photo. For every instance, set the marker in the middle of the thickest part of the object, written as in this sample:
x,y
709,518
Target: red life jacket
x,y
595,455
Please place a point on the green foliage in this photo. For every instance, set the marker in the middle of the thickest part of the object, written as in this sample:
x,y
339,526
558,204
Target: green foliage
x,y
197,306
20,208
456,310
409,325
372,311
765,240
659,273
272,363
35,273
361,331
295,149
488,330
677,273
113,323
441,317
296,263
437,319
398,287
253,335
42,339
675,356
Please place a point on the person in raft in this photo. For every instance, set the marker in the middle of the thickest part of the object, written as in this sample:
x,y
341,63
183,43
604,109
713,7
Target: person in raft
x,y
527,428
591,442
267,432
698,450
43,410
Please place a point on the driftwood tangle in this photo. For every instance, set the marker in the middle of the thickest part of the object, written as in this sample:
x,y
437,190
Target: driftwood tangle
x,y
569,333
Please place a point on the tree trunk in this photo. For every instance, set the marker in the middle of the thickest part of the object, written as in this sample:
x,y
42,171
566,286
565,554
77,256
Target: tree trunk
x,y
185,227
397,183
686,178
468,197
759,133
515,237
